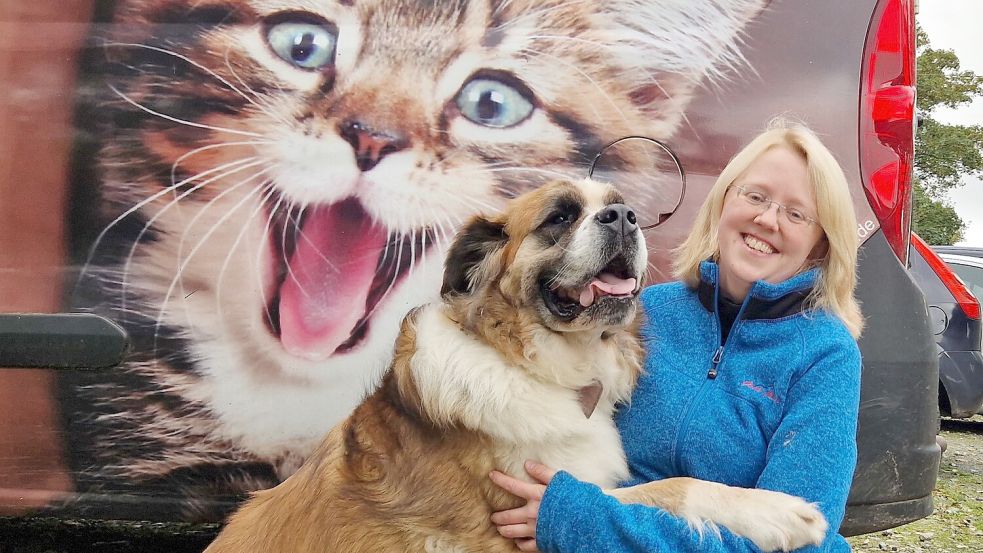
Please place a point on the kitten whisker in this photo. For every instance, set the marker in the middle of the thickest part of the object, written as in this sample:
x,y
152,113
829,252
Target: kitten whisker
x,y
270,189
181,121
267,237
201,212
516,169
320,254
112,224
182,57
261,102
413,251
441,219
297,232
186,155
184,261
223,171
583,73
475,205
393,279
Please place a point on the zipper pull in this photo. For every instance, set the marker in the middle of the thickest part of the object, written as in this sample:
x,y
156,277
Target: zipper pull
x,y
717,356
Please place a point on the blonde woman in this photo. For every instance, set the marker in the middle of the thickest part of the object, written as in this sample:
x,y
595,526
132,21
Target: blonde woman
x,y
752,371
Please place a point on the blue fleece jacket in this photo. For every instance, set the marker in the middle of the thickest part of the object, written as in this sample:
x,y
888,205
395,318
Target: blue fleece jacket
x,y
774,407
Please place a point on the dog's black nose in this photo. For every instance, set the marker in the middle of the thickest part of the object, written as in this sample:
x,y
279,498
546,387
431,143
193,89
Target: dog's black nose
x,y
619,218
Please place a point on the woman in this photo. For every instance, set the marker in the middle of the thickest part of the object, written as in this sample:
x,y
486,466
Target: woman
x,y
752,369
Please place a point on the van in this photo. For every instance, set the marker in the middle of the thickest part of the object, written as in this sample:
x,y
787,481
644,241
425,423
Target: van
x,y
214,214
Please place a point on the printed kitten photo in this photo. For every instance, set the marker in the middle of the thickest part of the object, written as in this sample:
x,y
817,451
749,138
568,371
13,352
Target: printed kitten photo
x,y
276,183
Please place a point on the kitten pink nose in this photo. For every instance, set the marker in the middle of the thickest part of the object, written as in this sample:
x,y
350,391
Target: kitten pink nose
x,y
370,145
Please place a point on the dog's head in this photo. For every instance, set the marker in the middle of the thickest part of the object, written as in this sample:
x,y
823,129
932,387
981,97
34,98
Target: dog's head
x,y
569,254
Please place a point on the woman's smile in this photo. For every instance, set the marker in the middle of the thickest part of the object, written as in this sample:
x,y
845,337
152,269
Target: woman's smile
x,y
757,238
758,245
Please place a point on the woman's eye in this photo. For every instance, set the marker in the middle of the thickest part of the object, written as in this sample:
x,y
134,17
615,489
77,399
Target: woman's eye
x,y
305,45
493,103
795,215
757,197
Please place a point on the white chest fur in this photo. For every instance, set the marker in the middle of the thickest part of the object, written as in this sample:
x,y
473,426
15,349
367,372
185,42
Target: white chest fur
x,y
463,380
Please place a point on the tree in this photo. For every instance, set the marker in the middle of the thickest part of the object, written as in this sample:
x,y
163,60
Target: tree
x,y
944,153
935,220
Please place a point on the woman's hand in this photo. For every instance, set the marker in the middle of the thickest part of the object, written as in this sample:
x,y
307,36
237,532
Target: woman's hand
x,y
520,523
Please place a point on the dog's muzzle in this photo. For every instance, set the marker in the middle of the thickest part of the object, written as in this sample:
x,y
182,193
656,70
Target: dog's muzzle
x,y
612,278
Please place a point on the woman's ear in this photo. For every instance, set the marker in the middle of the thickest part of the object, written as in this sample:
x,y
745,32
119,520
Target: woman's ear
x,y
473,248
819,251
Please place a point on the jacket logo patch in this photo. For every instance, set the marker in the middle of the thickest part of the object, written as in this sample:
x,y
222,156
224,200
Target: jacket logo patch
x,y
768,393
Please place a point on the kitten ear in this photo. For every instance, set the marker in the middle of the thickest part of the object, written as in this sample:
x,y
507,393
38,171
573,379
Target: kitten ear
x,y
670,48
472,256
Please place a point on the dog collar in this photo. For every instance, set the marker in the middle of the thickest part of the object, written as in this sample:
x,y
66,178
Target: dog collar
x,y
589,396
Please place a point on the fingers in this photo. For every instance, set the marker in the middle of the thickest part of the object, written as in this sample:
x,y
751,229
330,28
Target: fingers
x,y
527,545
540,472
517,487
518,515
518,531
519,524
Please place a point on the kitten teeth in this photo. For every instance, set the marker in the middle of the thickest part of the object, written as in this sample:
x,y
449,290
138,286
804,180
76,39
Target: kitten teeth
x,y
758,245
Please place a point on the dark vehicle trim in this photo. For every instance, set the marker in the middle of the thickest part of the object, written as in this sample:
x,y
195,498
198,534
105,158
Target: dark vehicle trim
x,y
61,341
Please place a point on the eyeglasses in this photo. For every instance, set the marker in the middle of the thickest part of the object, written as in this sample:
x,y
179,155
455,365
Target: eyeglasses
x,y
759,199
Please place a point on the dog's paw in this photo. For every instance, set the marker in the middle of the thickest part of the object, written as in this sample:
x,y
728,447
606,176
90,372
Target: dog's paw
x,y
781,522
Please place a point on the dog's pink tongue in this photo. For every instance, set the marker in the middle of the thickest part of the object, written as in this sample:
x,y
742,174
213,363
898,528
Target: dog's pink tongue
x,y
606,284
331,271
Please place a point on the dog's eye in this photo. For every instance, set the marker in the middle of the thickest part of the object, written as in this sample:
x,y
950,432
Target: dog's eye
x,y
559,218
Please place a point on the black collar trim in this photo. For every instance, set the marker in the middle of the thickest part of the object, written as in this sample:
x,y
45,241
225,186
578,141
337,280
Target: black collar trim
x,y
757,308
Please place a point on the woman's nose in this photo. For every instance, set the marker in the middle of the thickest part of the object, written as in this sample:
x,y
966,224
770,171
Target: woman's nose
x,y
769,217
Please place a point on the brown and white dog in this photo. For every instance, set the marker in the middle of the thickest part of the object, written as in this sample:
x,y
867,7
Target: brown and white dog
x,y
526,356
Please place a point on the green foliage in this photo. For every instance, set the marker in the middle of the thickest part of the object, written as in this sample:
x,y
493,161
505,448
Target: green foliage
x,y
944,153
935,220
940,80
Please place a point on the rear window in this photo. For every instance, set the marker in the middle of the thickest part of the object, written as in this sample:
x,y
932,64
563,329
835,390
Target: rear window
x,y
972,276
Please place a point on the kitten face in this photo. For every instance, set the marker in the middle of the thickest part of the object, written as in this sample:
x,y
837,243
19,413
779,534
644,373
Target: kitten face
x,y
301,165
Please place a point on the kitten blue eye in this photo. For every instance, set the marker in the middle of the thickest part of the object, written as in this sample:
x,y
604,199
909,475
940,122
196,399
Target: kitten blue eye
x,y
305,45
493,103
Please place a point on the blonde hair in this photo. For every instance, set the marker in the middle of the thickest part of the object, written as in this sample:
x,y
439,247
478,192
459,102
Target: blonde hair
x,y
834,290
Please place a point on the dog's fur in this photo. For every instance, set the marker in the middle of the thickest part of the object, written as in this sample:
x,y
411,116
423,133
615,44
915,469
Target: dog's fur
x,y
493,375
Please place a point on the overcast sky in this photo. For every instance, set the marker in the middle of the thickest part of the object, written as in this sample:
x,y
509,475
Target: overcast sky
x,y
955,25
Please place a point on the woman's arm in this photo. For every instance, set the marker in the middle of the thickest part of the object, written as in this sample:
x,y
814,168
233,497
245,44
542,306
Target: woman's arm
x,y
812,455
773,521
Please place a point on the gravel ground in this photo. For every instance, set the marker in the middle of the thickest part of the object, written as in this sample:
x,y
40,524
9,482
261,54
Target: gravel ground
x,y
957,523
955,527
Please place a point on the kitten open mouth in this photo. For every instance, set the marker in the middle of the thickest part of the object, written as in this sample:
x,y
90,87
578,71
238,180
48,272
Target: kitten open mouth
x,y
333,271
613,282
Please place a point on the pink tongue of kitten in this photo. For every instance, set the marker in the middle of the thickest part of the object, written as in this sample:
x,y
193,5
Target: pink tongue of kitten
x,y
331,272
606,284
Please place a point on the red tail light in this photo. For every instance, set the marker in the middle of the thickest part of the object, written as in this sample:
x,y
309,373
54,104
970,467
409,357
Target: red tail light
x,y
966,300
887,119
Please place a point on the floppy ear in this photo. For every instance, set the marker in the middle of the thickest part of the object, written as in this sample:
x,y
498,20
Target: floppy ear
x,y
474,245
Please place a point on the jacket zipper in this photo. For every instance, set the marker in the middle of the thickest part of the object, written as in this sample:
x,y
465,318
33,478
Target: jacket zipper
x,y
718,356
712,374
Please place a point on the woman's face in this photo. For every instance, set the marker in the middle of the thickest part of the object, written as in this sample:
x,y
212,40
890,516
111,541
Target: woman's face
x,y
760,242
